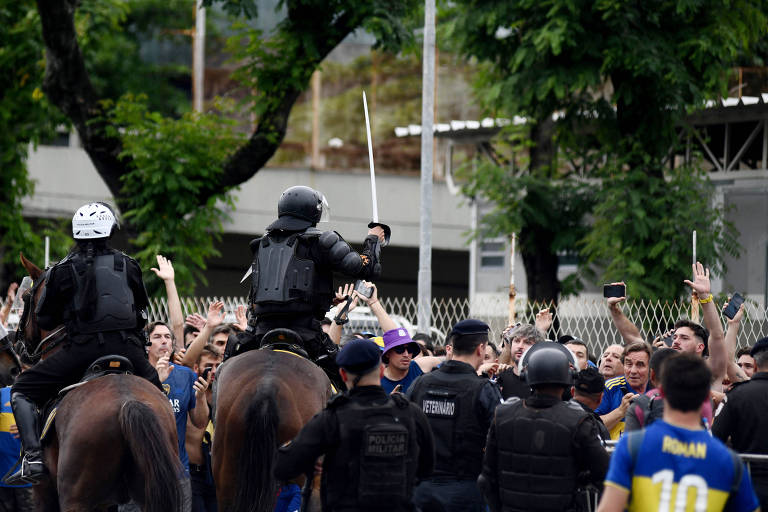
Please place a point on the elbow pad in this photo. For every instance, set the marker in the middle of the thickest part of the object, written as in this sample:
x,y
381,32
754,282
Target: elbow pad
x,y
352,263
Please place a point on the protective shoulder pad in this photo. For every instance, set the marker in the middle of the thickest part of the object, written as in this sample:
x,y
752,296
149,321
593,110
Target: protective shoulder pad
x,y
328,239
254,244
337,400
312,232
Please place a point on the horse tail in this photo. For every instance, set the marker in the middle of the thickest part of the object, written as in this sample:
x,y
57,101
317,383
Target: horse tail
x,y
257,487
154,459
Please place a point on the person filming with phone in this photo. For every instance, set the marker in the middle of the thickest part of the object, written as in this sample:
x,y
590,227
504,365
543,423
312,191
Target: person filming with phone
x,y
706,341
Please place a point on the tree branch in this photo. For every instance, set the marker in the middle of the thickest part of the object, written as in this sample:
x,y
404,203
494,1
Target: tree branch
x,y
68,87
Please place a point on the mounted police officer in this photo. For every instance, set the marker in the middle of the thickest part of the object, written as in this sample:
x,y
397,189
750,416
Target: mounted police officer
x,y
375,445
537,447
97,293
292,274
459,406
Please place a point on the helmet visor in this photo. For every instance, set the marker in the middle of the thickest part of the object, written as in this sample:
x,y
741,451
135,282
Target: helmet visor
x,y
325,214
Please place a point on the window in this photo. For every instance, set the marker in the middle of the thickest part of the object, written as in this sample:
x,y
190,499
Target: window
x,y
493,252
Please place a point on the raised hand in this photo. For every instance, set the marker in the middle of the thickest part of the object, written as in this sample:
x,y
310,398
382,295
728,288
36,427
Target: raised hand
x,y
700,283
215,314
200,385
164,268
543,320
614,301
195,320
11,294
737,317
242,319
374,295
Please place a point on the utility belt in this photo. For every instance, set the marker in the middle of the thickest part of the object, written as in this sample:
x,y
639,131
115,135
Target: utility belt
x,y
102,338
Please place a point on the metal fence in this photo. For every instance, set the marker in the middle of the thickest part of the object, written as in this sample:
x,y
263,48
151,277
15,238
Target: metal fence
x,y
587,319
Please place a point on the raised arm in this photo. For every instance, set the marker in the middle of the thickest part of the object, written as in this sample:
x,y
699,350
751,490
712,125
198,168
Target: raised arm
x,y
733,371
214,319
717,351
385,322
5,311
346,291
629,331
165,272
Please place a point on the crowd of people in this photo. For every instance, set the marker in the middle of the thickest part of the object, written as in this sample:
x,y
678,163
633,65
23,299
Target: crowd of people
x,y
518,423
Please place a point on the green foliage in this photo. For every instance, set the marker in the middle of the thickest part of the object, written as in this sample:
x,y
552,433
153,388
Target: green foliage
x,y
114,38
25,118
642,233
622,75
172,161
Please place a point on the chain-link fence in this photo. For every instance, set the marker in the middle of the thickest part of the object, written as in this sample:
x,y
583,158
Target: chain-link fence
x,y
587,319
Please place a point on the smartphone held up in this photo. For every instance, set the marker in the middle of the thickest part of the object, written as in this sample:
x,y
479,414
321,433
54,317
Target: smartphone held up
x,y
614,290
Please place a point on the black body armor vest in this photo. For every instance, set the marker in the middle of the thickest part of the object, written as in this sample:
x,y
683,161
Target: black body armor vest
x,y
376,460
449,401
285,279
537,468
112,306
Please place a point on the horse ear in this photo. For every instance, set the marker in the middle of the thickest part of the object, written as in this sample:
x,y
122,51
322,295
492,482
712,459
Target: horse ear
x,y
34,270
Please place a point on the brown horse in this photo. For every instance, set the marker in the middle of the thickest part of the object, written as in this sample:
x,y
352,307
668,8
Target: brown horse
x,y
10,364
263,398
112,439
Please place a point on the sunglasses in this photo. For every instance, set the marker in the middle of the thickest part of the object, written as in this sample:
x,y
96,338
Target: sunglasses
x,y
413,348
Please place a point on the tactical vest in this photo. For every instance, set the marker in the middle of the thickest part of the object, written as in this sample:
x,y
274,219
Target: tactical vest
x,y
537,468
450,402
375,463
114,307
283,281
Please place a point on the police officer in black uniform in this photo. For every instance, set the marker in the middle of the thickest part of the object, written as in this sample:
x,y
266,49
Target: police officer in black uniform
x,y
744,419
459,406
97,293
588,391
537,447
292,274
376,445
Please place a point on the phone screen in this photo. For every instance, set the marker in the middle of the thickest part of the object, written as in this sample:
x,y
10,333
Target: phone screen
x,y
733,305
614,290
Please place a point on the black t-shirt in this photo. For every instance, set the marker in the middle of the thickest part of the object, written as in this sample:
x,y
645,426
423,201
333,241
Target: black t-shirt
x,y
512,385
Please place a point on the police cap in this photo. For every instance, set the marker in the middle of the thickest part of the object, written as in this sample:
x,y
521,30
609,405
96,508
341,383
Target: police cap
x,y
359,356
467,334
760,345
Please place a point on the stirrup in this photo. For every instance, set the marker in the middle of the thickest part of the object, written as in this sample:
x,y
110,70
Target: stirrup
x,y
31,470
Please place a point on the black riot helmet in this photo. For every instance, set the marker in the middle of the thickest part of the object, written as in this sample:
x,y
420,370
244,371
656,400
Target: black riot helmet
x,y
299,208
548,363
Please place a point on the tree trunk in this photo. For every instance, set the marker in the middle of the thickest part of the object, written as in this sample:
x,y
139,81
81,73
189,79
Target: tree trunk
x,y
536,241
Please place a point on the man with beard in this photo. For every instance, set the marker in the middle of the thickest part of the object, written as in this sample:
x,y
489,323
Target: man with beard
x,y
517,340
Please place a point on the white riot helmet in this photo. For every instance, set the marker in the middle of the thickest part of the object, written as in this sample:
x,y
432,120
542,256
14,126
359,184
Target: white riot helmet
x,y
94,220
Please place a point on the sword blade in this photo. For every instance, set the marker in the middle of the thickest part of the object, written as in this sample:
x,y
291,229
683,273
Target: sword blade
x,y
374,205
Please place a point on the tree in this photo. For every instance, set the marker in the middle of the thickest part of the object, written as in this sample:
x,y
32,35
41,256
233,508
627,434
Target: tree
x,y
25,118
621,76
88,81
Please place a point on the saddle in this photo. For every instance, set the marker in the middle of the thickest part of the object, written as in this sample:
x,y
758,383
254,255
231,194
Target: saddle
x,y
284,340
105,365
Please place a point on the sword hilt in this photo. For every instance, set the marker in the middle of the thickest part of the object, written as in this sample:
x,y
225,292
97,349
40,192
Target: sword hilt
x,y
387,231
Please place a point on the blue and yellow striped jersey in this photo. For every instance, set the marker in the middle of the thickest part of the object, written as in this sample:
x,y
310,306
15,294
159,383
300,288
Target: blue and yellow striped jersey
x,y
10,448
679,470
615,389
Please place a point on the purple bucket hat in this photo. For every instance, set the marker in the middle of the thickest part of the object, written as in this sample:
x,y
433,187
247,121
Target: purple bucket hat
x,y
396,337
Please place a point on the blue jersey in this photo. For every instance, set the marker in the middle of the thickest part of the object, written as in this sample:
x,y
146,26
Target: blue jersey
x,y
414,372
178,388
10,447
679,470
615,389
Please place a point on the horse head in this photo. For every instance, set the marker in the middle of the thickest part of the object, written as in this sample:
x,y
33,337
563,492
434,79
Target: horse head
x,y
28,331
